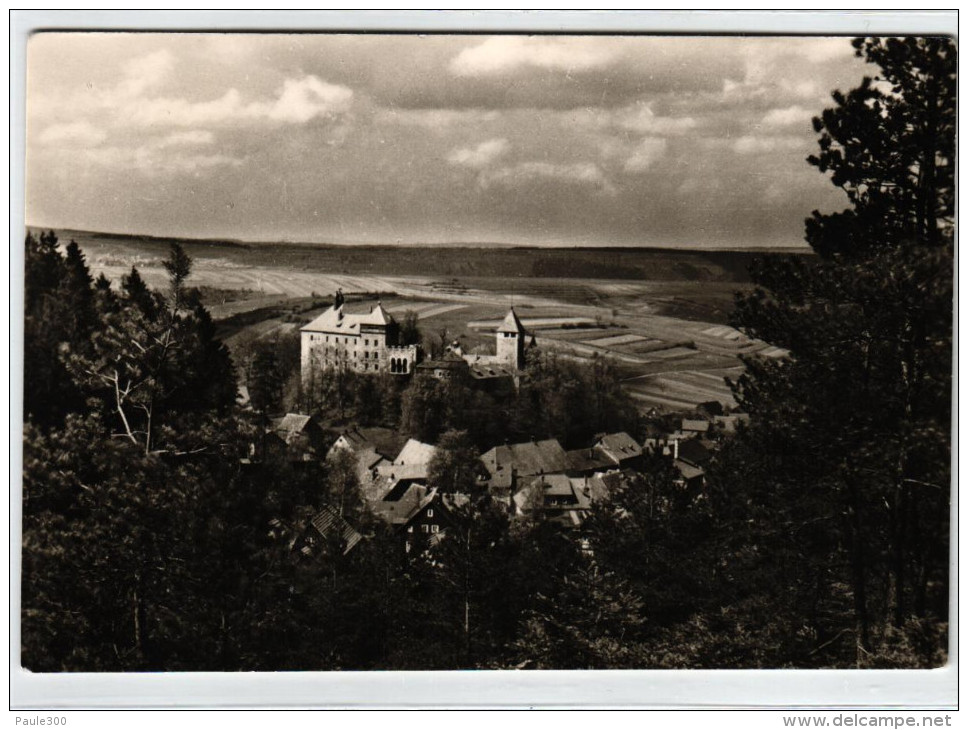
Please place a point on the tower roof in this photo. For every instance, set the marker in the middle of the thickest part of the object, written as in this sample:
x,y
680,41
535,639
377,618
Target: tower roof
x,y
511,323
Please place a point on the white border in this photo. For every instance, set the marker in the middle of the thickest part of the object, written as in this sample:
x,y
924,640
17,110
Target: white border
x,y
693,689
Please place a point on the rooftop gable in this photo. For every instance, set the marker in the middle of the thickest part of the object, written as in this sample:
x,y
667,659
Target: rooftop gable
x,y
336,320
620,445
415,453
511,323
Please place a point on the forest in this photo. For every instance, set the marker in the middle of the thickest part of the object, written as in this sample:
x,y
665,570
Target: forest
x,y
820,539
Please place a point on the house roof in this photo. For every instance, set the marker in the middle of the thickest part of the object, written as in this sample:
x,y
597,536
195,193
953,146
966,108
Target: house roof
x,y
511,323
527,459
368,458
336,320
399,472
415,452
384,441
445,364
687,470
484,370
619,446
729,423
588,459
556,485
401,511
291,423
693,451
695,425
328,522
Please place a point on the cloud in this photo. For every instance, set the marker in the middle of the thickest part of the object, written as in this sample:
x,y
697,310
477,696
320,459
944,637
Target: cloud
x,y
643,120
750,145
480,156
195,137
525,173
304,99
503,54
146,72
790,116
152,160
645,154
72,134
299,101
434,119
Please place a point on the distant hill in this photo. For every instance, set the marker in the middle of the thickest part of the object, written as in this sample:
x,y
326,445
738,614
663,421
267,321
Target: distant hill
x,y
445,261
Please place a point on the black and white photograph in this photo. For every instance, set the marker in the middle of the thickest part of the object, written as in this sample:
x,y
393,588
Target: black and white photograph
x,y
357,352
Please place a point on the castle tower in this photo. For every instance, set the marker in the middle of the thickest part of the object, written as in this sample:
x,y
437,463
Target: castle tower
x,y
510,341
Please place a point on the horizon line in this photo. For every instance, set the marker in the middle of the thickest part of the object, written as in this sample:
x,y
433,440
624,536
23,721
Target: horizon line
x,y
425,244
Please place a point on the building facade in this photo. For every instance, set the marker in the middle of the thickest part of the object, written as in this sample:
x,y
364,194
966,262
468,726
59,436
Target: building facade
x,y
338,341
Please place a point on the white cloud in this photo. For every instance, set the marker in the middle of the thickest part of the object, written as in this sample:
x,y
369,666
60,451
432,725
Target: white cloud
x,y
750,145
72,134
195,137
502,54
481,156
299,101
578,173
152,160
645,154
643,120
790,116
146,72
434,119
304,99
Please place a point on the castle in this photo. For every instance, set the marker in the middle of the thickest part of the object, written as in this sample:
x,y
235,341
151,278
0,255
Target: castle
x,y
339,341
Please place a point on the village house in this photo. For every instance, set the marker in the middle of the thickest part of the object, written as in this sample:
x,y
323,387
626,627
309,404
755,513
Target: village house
x,y
294,437
421,516
562,499
610,451
506,465
392,479
327,531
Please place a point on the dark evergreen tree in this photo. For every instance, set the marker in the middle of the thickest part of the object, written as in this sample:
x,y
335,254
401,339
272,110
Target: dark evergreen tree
x,y
859,414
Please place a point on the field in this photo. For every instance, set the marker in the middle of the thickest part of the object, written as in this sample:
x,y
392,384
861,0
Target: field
x,y
660,315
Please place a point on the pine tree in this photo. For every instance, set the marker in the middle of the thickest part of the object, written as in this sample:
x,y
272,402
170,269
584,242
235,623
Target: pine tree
x,y
860,411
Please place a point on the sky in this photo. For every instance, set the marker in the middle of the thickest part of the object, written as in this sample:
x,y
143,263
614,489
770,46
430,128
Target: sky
x,y
685,141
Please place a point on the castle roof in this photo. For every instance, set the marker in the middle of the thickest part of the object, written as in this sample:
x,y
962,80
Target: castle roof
x,y
335,321
378,316
511,323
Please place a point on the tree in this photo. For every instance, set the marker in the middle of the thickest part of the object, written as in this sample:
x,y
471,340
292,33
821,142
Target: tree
x,y
342,486
862,404
152,363
422,409
453,467
409,329
265,379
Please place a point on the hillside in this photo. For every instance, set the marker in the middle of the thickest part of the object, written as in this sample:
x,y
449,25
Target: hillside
x,y
646,264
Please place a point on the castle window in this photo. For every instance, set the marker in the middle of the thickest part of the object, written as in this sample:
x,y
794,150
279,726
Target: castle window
x,y
430,513
435,528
